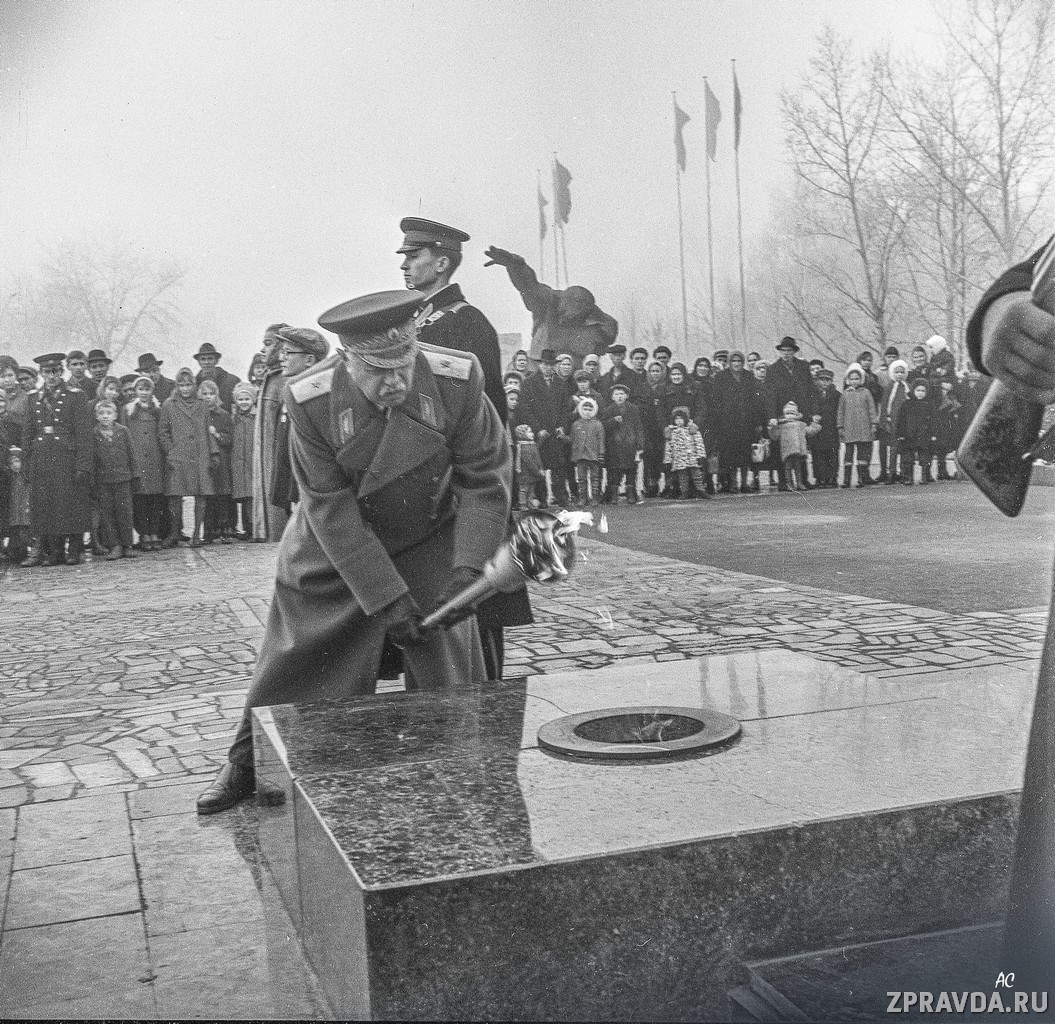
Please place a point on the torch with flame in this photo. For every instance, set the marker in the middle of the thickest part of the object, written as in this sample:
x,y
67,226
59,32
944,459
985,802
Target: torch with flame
x,y
541,547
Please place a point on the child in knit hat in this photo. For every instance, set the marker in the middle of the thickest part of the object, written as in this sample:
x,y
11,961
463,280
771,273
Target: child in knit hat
x,y
791,433
857,420
587,451
685,452
915,433
894,396
527,464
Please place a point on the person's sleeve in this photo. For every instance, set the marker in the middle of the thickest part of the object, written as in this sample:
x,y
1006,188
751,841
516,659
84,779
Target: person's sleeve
x,y
332,513
1018,278
482,477
537,297
165,430
483,343
840,415
133,459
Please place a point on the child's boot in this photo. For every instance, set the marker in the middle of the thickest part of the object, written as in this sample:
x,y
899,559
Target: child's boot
x,y
848,472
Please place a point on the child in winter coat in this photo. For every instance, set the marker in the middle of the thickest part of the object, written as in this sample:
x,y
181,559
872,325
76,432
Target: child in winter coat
x,y
587,450
947,408
219,523
857,420
527,464
116,476
685,452
142,418
10,471
824,444
894,396
791,432
243,432
624,445
915,433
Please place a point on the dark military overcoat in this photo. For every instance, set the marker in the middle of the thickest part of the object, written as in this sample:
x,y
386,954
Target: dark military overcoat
x,y
60,446
389,504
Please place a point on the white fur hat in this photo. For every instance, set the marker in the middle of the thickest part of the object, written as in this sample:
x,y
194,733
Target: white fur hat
x,y
895,364
935,344
854,368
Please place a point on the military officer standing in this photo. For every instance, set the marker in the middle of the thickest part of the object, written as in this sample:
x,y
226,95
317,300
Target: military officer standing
x,y
431,253
404,476
59,446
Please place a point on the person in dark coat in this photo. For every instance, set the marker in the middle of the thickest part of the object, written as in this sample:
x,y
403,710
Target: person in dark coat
x,y
735,431
77,364
567,320
190,454
872,384
916,434
116,476
703,408
624,443
432,252
760,424
788,380
16,416
403,468
824,445
143,418
59,450
653,428
895,394
620,373
208,359
544,405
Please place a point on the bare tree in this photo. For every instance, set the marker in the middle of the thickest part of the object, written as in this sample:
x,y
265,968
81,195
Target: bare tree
x,y
105,295
851,214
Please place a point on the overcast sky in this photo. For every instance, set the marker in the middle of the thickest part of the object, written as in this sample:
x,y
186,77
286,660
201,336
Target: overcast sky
x,y
275,146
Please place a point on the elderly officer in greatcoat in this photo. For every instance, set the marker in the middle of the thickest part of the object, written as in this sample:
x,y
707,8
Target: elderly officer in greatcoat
x,y
431,253
59,446
404,475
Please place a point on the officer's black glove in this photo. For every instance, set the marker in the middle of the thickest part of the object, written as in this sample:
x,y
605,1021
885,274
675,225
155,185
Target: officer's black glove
x,y
461,579
401,620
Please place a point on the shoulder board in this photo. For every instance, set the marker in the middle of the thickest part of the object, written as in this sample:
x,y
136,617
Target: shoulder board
x,y
314,385
445,362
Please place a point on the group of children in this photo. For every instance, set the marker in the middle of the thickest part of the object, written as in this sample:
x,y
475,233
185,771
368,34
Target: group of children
x,y
147,457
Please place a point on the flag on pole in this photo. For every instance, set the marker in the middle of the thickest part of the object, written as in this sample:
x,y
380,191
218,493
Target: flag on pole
x,y
738,111
561,192
714,116
680,120
543,202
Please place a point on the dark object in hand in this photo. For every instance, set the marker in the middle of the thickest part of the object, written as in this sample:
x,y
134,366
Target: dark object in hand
x,y
402,618
998,449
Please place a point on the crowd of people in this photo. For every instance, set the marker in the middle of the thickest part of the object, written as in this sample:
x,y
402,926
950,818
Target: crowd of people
x,y
86,452
651,427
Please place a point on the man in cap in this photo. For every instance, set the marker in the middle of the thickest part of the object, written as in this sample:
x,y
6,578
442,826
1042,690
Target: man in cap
x,y
150,366
662,355
565,320
269,520
720,361
636,385
208,359
59,447
98,367
301,349
404,474
27,378
432,252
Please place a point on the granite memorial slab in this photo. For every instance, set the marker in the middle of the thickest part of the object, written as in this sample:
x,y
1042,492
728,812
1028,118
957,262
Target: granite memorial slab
x,y
439,863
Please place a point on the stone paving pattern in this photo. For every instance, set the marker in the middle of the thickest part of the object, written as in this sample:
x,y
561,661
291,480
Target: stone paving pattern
x,y
121,685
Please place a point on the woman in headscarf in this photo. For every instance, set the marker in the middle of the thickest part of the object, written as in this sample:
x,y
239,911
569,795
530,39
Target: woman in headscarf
x,y
735,429
703,410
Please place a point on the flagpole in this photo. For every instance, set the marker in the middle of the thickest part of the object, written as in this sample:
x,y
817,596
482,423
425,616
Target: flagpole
x,y
681,238
541,236
556,251
739,215
710,244
564,253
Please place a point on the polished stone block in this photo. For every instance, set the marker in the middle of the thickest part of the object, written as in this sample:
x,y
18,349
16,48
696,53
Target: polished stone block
x,y
447,867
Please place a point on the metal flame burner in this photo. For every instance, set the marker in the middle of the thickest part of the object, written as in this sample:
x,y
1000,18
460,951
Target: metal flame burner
x,y
649,733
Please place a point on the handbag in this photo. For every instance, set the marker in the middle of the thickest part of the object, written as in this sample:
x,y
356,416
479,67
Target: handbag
x,y
760,451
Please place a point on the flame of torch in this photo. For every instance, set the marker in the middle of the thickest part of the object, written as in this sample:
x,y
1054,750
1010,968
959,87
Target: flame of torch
x,y
541,547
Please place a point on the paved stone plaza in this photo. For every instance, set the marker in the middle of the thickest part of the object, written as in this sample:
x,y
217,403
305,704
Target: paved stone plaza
x,y
121,684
